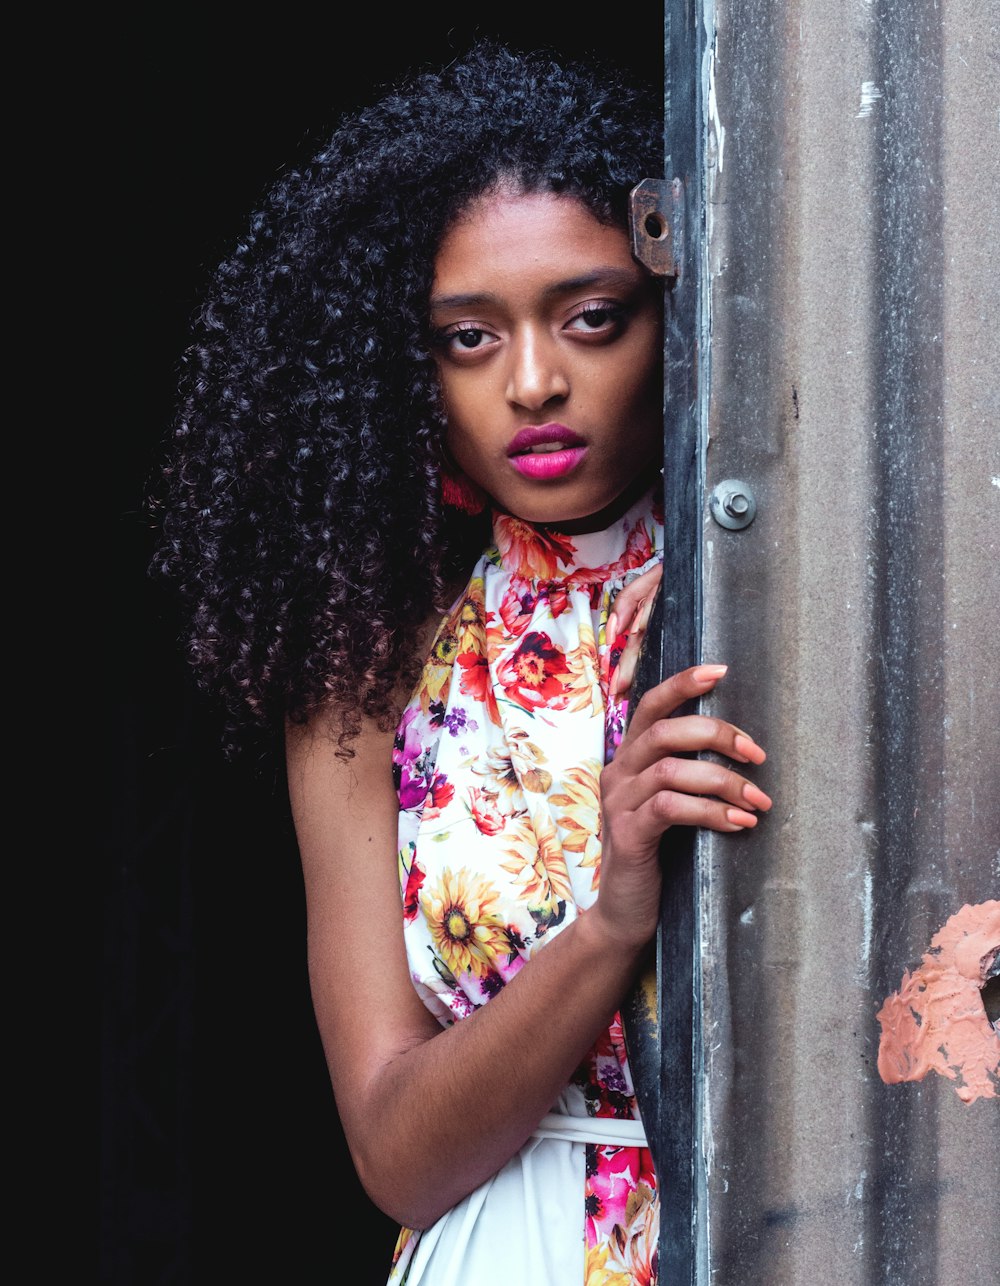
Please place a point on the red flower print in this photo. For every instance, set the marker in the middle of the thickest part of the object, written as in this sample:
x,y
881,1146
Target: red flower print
x,y
520,601
411,896
442,792
533,675
609,1187
558,599
484,810
638,550
529,551
475,682
516,609
647,1174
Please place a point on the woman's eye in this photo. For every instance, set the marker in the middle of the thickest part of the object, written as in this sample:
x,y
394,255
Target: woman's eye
x,y
463,339
604,317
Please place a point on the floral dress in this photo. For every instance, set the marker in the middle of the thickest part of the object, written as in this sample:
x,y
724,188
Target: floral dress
x,y
497,762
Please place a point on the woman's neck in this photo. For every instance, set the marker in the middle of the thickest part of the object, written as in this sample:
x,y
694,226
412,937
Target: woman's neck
x,y
611,512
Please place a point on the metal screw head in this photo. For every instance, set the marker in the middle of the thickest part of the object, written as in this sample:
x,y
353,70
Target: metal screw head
x,y
732,504
737,505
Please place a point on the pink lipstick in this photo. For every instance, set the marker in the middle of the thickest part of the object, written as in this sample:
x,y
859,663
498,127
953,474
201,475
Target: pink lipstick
x,y
543,451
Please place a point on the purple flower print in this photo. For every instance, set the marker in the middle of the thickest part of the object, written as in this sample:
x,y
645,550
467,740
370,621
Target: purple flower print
x,y
457,721
410,766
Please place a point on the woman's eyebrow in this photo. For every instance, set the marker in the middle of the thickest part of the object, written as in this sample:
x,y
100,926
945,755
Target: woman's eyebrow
x,y
609,277
474,299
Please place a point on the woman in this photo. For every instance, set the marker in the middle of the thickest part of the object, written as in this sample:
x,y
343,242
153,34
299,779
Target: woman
x,y
411,508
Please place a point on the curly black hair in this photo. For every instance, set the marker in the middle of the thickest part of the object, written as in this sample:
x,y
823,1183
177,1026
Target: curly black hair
x,y
299,513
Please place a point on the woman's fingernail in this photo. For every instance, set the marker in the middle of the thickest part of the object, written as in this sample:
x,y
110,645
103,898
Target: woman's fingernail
x,y
611,630
708,673
749,750
739,818
755,796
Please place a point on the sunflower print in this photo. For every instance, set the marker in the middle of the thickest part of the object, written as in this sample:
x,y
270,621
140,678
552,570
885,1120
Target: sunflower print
x,y
538,866
465,928
579,803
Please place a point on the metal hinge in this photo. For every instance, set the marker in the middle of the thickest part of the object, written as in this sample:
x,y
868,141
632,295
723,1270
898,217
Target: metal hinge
x,y
651,206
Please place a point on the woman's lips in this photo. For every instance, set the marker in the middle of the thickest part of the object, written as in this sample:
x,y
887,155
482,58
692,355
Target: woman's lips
x,y
548,464
543,451
544,435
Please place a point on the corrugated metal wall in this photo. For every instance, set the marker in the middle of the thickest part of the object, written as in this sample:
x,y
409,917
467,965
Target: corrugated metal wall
x,y
852,306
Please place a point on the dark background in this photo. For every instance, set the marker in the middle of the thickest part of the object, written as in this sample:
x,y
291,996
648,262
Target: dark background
x,y
220,1152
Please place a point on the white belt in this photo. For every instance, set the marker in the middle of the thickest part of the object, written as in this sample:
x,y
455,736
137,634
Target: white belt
x,y
592,1129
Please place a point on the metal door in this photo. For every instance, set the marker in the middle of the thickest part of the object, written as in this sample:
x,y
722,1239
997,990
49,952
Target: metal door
x,y
819,1053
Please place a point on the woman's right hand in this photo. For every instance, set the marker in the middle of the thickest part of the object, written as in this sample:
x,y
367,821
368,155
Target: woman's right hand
x,y
655,782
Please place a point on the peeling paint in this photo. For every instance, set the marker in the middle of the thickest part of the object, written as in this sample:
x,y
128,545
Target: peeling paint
x,y
870,94
937,1022
716,125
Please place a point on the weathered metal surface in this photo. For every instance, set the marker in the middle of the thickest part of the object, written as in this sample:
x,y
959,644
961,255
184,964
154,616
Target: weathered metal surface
x,y
831,346
650,226
659,1016
854,285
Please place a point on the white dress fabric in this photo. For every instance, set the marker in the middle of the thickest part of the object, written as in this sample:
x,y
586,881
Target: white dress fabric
x,y
497,763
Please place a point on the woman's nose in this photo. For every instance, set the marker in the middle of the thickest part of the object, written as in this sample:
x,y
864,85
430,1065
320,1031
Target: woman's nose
x,y
537,372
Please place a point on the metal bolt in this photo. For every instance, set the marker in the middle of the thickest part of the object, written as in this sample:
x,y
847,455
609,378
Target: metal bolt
x,y
732,504
737,505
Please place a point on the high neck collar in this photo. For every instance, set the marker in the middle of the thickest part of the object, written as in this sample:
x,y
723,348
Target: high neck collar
x,y
529,551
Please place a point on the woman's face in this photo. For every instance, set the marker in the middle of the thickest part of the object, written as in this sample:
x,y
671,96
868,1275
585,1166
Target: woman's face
x,y
547,338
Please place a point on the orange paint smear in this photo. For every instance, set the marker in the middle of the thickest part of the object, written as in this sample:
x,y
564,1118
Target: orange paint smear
x,y
936,1022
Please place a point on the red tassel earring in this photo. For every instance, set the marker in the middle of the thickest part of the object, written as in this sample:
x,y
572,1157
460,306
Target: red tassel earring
x,y
461,493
